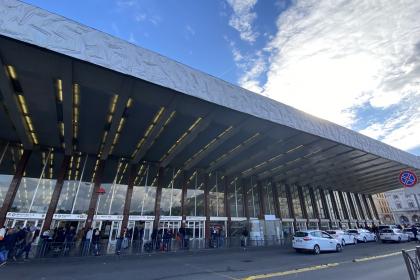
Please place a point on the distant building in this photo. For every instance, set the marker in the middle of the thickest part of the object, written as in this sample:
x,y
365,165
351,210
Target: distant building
x,y
384,211
404,204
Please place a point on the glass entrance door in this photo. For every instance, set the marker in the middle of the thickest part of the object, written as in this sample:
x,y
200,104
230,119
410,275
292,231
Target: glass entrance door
x,y
196,233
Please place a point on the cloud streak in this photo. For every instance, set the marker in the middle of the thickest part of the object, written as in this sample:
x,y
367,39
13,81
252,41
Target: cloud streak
x,y
331,58
242,18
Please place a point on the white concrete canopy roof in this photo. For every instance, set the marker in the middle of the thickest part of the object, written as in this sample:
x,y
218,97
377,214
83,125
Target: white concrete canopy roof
x,y
268,139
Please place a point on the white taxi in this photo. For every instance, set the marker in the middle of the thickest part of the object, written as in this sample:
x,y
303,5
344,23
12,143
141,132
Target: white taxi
x,y
315,241
363,235
395,235
343,237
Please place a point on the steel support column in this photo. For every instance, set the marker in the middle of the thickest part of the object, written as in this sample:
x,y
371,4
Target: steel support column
x,y
158,197
184,191
290,206
314,205
206,204
276,200
343,205
368,212
375,211
14,185
334,205
302,203
94,198
56,193
359,205
128,196
225,183
245,195
261,201
352,208
325,205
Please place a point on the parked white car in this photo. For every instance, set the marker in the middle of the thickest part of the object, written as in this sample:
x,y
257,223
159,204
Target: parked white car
x,y
409,232
381,227
343,237
315,241
363,235
395,235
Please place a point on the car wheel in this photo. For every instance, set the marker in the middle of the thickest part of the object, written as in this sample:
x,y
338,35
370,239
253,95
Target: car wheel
x,y
399,239
298,250
355,241
338,248
364,239
343,243
375,238
317,250
383,241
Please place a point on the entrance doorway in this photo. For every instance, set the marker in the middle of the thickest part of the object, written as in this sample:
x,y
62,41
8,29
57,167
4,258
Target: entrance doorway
x,y
196,233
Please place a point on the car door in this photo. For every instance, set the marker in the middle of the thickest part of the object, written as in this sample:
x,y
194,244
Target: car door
x,y
330,241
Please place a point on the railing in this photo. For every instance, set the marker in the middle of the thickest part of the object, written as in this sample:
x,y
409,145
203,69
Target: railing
x,y
50,249
412,263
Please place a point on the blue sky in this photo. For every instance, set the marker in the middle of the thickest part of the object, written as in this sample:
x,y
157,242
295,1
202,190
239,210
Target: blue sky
x,y
355,63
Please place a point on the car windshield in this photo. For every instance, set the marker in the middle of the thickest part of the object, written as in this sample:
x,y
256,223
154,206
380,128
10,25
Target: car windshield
x,y
408,230
301,234
331,231
352,231
386,231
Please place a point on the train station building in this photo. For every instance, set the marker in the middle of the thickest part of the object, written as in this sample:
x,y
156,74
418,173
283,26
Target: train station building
x,y
98,132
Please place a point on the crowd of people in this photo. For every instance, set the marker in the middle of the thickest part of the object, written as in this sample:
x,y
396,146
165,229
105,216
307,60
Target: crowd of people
x,y
16,243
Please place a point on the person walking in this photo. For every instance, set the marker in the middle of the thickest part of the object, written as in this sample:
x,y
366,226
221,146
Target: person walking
x,y
27,243
10,244
3,256
245,234
96,239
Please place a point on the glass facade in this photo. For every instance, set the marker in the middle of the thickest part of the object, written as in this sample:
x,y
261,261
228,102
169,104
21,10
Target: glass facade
x,y
330,207
284,208
195,195
356,206
170,204
308,203
253,202
9,157
267,192
319,204
144,191
235,198
36,187
216,195
297,207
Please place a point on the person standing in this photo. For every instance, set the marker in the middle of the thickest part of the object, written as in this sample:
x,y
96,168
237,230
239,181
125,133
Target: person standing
x,y
414,229
244,237
86,242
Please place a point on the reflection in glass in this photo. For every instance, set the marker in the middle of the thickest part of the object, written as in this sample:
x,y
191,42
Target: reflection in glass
x,y
268,198
308,203
195,196
170,204
329,205
216,196
34,194
297,207
235,198
144,192
284,208
252,198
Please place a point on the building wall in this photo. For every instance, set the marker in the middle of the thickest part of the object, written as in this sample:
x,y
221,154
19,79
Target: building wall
x,y
404,204
384,211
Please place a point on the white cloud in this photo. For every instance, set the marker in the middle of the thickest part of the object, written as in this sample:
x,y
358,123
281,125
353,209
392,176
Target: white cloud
x,y
329,58
242,18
